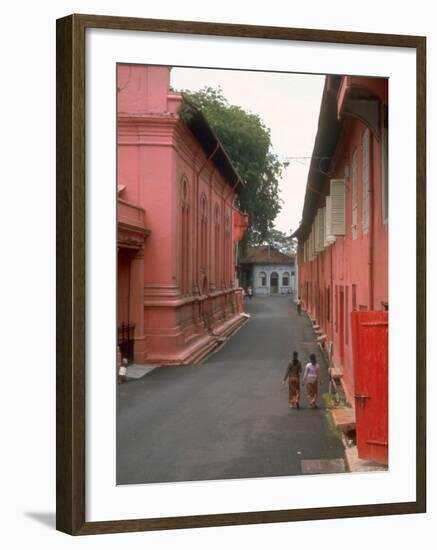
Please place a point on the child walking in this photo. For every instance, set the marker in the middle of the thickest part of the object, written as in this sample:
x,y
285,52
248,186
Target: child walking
x,y
311,377
294,368
299,305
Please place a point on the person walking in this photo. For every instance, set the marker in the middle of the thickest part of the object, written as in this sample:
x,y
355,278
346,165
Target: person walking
x,y
311,379
249,292
294,368
299,305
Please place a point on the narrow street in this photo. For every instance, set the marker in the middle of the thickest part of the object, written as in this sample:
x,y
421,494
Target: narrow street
x,y
228,417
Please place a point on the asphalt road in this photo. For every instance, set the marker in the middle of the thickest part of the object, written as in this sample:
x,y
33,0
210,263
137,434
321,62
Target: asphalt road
x,y
227,418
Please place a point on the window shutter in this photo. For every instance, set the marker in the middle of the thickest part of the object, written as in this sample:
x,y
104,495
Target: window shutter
x,y
329,237
311,245
321,229
316,232
365,180
354,194
338,207
314,242
384,153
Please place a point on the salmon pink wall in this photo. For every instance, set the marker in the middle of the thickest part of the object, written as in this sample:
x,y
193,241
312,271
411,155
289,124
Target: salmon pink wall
x,y
188,288
328,282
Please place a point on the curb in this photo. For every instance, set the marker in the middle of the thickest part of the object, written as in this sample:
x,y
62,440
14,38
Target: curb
x,y
222,343
355,464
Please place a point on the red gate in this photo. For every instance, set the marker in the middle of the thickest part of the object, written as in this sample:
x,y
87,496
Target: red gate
x,y
370,346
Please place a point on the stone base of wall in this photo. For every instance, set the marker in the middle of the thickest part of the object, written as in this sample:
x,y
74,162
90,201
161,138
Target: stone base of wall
x,y
200,346
183,330
140,350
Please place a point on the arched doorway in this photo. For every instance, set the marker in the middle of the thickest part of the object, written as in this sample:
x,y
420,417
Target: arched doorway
x,y
274,283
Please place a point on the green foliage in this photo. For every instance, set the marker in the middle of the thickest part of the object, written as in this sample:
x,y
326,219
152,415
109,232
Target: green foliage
x,y
281,241
248,144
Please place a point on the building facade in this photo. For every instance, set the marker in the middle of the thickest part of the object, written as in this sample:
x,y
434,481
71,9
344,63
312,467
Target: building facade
x,y
178,224
343,236
268,271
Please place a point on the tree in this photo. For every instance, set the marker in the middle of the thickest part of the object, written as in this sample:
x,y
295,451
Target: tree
x,y
247,142
281,241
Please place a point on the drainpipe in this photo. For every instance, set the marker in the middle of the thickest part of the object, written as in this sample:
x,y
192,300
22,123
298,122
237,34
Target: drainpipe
x,y
371,226
331,299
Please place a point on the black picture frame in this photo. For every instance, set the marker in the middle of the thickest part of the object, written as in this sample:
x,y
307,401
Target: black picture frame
x,y
71,253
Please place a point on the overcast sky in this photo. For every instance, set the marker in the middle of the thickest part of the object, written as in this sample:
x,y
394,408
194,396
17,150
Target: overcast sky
x,y
288,104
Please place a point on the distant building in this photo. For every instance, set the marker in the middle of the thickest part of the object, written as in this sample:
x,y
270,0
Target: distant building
x,y
178,224
268,271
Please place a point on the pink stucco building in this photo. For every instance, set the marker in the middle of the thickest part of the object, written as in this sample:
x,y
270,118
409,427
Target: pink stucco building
x,y
178,224
343,244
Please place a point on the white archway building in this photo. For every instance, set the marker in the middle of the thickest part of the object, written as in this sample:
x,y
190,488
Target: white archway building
x,y
268,271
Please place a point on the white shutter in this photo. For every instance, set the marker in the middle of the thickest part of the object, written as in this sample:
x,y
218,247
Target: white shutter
x,y
329,237
321,229
316,232
314,240
365,180
354,194
311,246
338,190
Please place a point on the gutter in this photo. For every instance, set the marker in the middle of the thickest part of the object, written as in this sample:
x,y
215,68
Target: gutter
x,y
196,121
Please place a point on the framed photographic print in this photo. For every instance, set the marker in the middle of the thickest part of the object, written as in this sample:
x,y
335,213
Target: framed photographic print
x,y
240,274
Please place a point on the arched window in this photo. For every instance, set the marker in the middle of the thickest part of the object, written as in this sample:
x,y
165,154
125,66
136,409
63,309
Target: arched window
x,y
262,278
203,232
285,279
217,245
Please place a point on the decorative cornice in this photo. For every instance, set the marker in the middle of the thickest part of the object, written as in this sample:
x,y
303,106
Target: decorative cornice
x,y
146,124
133,229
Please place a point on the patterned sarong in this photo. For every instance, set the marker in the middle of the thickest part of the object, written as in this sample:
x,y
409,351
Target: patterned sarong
x,y
293,390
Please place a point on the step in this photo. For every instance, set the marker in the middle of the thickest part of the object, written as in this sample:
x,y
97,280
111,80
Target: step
x,y
357,464
344,419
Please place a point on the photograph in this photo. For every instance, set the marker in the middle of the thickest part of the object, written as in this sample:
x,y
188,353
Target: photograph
x,y
252,241
216,256
236,224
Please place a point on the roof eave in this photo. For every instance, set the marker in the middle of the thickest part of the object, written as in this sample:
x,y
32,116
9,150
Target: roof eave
x,y
328,132
199,126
